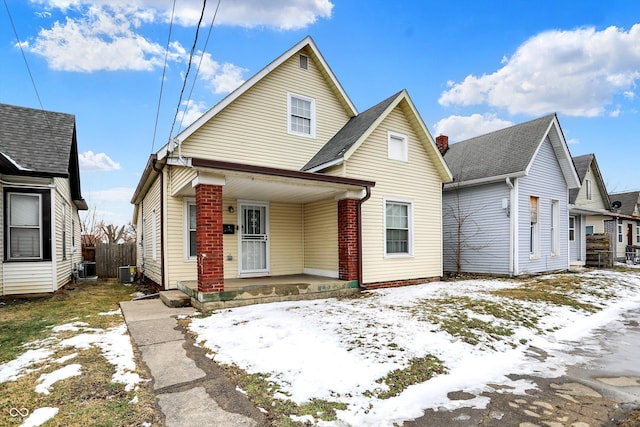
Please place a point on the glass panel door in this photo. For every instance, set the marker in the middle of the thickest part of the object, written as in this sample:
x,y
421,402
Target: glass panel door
x,y
254,257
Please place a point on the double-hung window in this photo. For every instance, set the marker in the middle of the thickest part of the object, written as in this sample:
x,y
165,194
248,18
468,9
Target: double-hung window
x,y
587,183
398,228
555,230
27,220
302,112
190,230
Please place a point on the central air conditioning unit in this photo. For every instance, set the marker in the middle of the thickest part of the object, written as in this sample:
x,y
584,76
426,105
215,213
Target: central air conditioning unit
x,y
127,274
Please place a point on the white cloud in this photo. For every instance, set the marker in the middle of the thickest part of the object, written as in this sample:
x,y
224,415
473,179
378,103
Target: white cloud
x,y
281,14
111,205
90,161
576,73
192,111
459,128
222,78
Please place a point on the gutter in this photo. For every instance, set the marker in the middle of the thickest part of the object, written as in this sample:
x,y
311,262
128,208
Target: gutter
x,y
359,224
162,248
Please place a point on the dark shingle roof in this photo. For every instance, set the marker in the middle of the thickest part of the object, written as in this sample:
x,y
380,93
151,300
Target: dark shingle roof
x,y
581,164
503,152
35,142
342,141
628,200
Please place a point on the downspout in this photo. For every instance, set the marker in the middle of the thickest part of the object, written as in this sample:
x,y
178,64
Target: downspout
x,y
161,222
511,233
359,222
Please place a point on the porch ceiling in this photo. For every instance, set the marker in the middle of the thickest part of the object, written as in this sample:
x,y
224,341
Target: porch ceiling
x,y
275,189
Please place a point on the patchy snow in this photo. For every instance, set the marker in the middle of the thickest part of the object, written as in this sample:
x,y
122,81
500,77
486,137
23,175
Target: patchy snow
x,y
47,380
337,349
39,417
114,342
116,312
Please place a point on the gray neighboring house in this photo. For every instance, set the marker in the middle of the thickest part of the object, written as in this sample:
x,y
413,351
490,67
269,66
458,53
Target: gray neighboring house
x,y
625,210
40,184
507,211
588,207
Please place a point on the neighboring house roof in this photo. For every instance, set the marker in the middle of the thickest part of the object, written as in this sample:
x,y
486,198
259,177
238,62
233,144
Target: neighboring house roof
x,y
509,153
40,143
628,202
344,143
312,49
582,164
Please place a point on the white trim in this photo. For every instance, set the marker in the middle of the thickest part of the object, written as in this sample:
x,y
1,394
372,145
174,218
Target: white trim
x,y
312,112
326,165
400,201
555,227
186,201
320,272
404,139
40,214
207,179
267,270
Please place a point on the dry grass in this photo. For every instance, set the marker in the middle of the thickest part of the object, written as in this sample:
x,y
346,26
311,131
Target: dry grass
x,y
90,398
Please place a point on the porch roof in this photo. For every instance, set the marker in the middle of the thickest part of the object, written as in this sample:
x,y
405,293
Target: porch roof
x,y
253,182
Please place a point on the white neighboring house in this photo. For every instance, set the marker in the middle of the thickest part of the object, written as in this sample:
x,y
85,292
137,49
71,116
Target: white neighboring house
x,y
40,184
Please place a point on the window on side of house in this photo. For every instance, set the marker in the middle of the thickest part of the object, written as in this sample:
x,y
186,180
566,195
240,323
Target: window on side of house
x,y
398,228
555,230
397,146
28,219
572,228
154,235
302,115
190,250
534,233
64,231
637,233
587,184
620,231
589,229
303,62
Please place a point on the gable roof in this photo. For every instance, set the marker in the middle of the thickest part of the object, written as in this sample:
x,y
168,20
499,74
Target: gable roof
x,y
509,153
628,201
582,164
344,143
39,143
311,48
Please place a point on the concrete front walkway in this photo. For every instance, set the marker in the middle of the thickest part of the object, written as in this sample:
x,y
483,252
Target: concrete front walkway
x,y
189,388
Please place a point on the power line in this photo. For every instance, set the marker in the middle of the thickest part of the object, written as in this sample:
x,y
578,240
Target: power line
x,y
195,78
164,70
184,83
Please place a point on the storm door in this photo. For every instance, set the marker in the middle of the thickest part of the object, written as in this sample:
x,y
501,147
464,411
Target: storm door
x,y
254,239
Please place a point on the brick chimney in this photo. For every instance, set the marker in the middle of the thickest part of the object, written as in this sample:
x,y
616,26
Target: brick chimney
x,y
442,141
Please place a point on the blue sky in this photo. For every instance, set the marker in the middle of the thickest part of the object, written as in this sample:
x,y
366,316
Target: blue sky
x,y
470,67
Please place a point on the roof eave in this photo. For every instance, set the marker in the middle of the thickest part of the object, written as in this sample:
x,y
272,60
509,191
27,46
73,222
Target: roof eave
x,y
481,181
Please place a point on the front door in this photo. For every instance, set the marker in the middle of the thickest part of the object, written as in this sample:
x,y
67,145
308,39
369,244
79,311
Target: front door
x,y
254,238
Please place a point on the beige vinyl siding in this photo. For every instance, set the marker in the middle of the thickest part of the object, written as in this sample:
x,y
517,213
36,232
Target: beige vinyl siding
x,y
28,277
321,236
179,268
597,221
151,202
230,241
180,179
253,129
597,201
64,267
285,239
416,180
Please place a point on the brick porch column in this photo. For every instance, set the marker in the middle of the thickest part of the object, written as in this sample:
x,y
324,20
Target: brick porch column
x,y
209,238
348,239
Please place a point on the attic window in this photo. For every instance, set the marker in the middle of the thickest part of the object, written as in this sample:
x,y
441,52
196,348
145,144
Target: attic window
x,y
304,62
302,115
397,146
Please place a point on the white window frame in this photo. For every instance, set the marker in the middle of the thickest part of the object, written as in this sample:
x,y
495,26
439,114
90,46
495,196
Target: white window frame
x,y
404,150
620,231
587,183
10,227
637,233
312,111
305,60
410,235
154,235
572,228
589,229
187,230
534,231
64,231
555,229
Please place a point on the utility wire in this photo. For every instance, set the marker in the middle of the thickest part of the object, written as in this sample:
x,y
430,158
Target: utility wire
x,y
195,78
184,83
24,57
164,70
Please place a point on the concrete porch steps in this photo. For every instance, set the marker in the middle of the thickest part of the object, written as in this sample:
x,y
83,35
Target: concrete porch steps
x,y
175,298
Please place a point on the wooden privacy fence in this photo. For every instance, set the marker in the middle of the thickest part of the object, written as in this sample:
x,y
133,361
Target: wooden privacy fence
x,y
600,250
110,256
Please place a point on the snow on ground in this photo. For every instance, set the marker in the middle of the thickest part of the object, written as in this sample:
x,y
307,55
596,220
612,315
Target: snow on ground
x,y
337,349
116,349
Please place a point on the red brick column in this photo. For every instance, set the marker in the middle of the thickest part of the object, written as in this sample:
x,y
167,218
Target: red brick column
x,y
348,239
209,238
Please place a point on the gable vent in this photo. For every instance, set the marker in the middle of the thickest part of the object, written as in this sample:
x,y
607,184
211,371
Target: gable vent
x,y
304,62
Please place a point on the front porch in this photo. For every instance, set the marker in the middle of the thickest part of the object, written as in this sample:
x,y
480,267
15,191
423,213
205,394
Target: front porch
x,y
294,287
